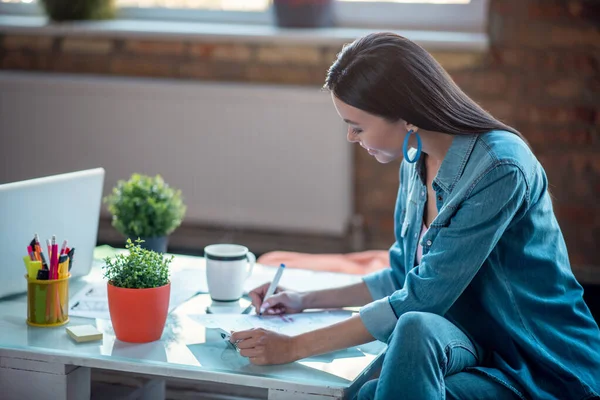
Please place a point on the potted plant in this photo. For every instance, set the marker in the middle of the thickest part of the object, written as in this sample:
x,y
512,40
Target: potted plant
x,y
303,13
138,293
146,207
70,10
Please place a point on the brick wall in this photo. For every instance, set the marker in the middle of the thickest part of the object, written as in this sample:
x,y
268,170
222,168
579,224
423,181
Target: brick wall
x,y
204,60
548,54
541,75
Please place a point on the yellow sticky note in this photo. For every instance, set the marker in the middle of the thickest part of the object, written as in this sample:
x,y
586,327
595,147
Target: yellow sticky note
x,y
84,333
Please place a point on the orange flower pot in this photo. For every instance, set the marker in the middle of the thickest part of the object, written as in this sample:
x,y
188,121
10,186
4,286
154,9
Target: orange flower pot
x,y
138,315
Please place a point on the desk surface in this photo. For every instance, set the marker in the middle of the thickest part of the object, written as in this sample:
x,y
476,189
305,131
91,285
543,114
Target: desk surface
x,y
187,349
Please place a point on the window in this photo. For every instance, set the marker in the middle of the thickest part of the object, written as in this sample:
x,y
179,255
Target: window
x,y
237,5
441,15
225,5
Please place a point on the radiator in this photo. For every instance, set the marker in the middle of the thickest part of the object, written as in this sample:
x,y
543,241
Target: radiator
x,y
245,156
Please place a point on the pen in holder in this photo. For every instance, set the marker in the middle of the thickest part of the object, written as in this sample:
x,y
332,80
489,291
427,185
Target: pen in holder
x,y
47,299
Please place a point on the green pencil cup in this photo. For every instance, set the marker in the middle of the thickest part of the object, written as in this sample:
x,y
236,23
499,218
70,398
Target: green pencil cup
x,y
48,302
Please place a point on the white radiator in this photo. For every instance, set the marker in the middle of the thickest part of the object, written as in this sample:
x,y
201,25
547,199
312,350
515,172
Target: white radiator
x,y
245,156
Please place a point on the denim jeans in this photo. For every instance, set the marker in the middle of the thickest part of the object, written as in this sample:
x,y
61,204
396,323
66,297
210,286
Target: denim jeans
x,y
426,360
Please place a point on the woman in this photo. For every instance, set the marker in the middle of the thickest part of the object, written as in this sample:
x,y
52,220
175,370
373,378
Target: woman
x,y
479,301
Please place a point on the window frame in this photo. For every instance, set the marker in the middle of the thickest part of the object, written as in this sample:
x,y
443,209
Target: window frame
x,y
470,17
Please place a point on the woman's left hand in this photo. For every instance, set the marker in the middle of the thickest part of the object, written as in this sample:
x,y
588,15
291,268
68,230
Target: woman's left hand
x,y
264,347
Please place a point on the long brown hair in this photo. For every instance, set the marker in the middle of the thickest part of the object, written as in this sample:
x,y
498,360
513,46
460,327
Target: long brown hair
x,y
392,77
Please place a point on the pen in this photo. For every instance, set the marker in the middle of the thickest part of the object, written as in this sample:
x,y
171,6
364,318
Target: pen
x,y
30,252
49,249
272,287
248,309
70,255
36,256
63,248
38,248
44,263
227,337
54,260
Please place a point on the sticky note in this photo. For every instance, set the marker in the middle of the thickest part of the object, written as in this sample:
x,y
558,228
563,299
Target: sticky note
x,y
84,333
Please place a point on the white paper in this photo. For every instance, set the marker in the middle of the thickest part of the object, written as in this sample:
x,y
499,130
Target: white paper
x,y
185,283
92,300
289,324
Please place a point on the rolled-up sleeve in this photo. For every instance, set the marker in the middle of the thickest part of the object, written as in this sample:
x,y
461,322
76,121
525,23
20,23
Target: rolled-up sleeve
x,y
379,318
381,283
457,252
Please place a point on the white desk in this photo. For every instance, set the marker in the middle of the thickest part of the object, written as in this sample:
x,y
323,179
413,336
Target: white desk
x,y
45,363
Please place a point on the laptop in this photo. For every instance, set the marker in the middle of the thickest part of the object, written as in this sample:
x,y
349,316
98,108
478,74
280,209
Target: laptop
x,y
65,205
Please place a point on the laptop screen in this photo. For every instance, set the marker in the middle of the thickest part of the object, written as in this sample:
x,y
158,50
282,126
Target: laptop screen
x,y
65,205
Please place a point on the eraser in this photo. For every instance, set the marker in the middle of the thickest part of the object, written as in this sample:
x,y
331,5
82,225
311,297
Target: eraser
x,y
84,333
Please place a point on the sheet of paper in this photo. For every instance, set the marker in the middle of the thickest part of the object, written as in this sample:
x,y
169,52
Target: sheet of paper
x,y
92,300
292,324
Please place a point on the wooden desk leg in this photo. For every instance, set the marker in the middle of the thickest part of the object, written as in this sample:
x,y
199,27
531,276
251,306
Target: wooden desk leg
x,y
276,394
21,378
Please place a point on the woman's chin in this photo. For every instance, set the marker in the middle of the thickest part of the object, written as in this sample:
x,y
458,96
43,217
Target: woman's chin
x,y
384,158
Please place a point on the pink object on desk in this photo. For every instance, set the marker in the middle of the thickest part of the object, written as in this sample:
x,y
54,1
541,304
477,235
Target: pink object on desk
x,y
358,263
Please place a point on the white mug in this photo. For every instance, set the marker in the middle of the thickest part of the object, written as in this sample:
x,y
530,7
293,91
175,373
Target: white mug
x,y
227,268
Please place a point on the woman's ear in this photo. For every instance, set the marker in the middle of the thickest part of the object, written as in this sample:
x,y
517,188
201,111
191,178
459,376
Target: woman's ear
x,y
406,126
412,127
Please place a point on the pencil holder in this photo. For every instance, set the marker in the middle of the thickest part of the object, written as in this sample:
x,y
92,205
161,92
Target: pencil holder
x,y
48,302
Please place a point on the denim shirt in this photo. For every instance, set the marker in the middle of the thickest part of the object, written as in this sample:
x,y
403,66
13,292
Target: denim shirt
x,y
496,265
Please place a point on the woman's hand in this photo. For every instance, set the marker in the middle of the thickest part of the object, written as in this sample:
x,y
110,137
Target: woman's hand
x,y
282,302
264,347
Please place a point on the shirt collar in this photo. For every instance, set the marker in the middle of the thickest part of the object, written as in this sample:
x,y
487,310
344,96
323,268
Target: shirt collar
x,y
455,161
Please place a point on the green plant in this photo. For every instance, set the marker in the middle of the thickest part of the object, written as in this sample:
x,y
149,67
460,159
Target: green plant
x,y
140,269
145,206
69,10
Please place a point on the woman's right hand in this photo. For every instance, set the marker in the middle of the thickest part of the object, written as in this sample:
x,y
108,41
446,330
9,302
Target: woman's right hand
x,y
283,301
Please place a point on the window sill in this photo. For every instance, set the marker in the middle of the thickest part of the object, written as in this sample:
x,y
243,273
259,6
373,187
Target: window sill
x,y
431,40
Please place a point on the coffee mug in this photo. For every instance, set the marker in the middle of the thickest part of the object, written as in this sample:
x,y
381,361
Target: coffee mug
x,y
227,268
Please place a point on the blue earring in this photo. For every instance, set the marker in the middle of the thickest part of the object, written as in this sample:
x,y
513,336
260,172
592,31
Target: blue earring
x,y
405,147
